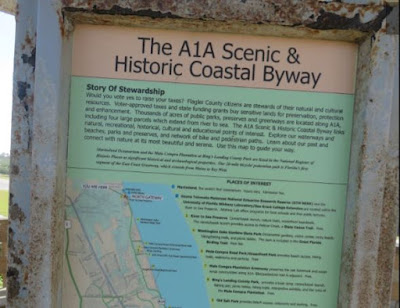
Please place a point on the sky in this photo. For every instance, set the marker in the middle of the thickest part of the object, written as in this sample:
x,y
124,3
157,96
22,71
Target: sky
x,y
7,39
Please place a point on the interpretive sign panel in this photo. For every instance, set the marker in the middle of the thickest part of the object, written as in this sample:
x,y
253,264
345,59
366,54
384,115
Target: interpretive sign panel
x,y
205,169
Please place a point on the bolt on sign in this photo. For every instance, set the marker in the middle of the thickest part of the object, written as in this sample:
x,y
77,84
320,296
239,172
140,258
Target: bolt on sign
x,y
206,169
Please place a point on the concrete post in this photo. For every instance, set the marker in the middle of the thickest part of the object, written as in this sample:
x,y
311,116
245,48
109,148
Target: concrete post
x,y
40,109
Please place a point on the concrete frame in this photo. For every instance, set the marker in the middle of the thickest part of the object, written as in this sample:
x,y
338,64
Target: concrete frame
x,y
40,122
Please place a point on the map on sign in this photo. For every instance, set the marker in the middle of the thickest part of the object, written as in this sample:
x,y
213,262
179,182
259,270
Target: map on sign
x,y
119,251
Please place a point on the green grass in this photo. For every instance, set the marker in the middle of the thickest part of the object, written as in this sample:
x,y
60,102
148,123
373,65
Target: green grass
x,y
4,203
4,176
4,212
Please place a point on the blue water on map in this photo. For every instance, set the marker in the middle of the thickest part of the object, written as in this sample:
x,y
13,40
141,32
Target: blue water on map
x,y
184,288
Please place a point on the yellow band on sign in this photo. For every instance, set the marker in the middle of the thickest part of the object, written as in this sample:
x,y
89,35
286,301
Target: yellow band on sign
x,y
214,59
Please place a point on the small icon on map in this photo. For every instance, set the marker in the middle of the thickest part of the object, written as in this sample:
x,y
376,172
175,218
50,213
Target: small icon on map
x,y
161,301
67,224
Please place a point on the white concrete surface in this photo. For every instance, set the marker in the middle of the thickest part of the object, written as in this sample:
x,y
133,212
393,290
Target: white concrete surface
x,y
3,297
4,184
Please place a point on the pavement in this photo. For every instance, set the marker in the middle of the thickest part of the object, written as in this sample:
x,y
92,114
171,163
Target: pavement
x,y
4,184
3,297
